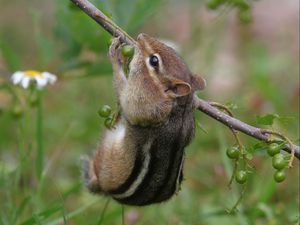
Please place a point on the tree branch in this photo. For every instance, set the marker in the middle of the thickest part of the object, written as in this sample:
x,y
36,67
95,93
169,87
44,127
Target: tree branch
x,y
200,104
236,124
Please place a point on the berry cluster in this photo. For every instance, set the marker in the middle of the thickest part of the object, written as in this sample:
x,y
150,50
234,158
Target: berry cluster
x,y
279,162
106,112
243,6
240,175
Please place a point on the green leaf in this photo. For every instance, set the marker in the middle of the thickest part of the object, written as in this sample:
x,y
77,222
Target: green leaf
x,y
73,189
267,119
267,210
76,28
22,206
10,57
99,68
41,216
249,156
261,67
45,47
231,105
259,148
141,11
73,213
73,64
286,120
201,127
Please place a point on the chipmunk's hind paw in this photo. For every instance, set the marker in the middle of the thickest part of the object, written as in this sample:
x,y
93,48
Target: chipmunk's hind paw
x,y
89,176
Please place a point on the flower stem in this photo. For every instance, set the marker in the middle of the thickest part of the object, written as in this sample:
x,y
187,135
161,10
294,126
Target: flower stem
x,y
103,212
39,137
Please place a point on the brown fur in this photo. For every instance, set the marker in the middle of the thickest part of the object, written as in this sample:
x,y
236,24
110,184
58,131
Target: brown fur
x,y
156,107
109,163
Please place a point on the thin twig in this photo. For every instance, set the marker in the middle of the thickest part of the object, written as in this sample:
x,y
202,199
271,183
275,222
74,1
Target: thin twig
x,y
200,104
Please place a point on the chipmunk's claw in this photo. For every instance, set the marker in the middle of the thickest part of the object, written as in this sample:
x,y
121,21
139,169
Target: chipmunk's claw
x,y
114,50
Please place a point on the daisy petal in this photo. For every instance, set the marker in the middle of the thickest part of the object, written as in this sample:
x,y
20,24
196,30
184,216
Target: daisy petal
x,y
17,77
50,77
41,82
25,82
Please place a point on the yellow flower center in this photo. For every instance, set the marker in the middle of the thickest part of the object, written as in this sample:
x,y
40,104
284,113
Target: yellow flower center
x,y
32,73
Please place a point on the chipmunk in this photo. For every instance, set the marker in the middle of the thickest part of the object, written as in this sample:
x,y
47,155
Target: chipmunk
x,y
140,161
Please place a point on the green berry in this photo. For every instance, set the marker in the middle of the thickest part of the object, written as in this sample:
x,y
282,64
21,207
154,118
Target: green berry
x,y
273,149
233,152
242,4
108,122
241,176
278,162
127,50
245,16
105,111
214,4
279,176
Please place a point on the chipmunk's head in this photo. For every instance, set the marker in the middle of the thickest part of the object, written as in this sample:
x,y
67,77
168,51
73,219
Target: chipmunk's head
x,y
162,63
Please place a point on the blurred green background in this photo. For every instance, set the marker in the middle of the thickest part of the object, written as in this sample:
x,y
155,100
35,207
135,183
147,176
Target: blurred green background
x,y
252,64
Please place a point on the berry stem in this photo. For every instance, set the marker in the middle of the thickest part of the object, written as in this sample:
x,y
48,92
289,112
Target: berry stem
x,y
233,173
207,108
281,136
234,208
234,132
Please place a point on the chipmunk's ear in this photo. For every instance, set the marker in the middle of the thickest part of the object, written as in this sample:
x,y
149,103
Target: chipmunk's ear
x,y
198,83
176,88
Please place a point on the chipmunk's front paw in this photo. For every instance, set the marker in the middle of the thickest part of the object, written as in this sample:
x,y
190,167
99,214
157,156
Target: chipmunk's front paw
x,y
115,51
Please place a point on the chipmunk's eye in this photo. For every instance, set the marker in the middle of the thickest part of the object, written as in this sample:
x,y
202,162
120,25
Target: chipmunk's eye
x,y
153,60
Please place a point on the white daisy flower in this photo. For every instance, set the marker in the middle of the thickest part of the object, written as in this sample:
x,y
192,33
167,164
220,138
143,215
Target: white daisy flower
x,y
41,79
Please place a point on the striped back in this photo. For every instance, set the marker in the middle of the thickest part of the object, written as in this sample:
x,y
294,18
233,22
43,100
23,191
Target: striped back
x,y
157,172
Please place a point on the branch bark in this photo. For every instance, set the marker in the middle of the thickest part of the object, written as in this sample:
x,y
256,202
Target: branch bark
x,y
200,104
